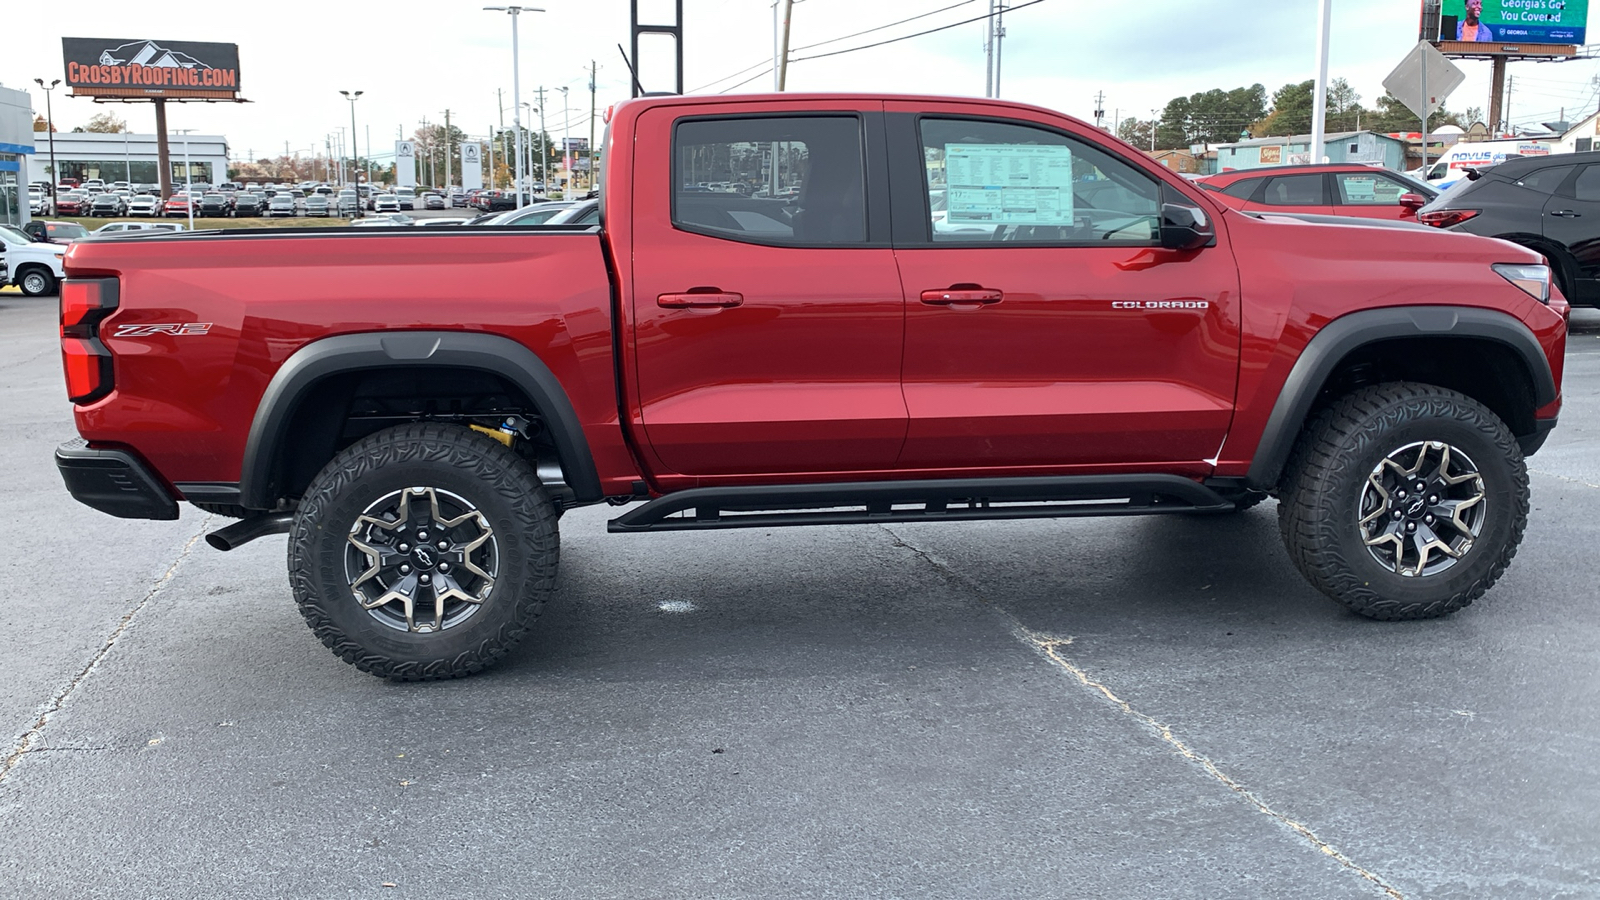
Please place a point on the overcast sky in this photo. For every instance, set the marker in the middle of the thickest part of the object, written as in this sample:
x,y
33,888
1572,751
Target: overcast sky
x,y
414,60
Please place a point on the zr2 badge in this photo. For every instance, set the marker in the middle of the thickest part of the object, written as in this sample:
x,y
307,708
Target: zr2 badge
x,y
175,330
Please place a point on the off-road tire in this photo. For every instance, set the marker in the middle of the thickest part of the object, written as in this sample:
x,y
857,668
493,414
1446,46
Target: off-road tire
x,y
494,480
1319,508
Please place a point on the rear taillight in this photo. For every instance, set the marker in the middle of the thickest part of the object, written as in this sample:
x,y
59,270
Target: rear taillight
x,y
1444,218
85,302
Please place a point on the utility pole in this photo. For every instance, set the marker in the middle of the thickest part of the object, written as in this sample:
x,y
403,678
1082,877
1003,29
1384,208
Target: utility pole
x,y
1154,122
999,39
988,52
447,166
500,102
544,152
783,58
492,142
1100,110
592,72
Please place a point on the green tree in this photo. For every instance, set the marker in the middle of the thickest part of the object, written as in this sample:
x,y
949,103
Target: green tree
x,y
1135,132
1291,111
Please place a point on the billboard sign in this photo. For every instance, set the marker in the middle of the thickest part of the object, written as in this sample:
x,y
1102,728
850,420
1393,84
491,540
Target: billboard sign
x,y
123,67
471,165
1514,21
405,163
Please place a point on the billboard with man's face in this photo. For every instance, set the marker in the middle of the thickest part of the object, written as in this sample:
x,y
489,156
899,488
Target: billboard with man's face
x,y
1514,21
123,67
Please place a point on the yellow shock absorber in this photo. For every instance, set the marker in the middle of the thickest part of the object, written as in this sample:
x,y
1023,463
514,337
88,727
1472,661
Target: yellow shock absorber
x,y
503,437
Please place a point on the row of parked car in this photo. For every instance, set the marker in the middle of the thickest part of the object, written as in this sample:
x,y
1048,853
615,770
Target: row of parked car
x,y
1549,204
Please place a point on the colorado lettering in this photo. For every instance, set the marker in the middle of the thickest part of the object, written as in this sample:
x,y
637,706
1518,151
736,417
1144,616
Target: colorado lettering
x,y
1160,304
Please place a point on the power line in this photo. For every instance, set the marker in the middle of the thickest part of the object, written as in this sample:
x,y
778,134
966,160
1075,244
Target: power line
x,y
918,34
768,61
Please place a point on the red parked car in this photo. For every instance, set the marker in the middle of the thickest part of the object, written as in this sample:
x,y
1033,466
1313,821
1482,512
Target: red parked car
x,y
1078,331
72,203
1334,189
176,205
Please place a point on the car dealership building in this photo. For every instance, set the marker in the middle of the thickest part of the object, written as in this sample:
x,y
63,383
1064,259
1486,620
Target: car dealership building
x,y
132,157
16,145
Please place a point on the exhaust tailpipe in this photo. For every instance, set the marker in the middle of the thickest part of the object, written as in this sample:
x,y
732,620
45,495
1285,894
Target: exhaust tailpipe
x,y
244,531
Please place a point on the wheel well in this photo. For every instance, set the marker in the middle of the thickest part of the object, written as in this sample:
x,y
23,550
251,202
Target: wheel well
x,y
345,407
1487,371
1559,257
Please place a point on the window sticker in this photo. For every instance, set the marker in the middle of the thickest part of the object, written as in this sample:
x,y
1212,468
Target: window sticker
x,y
1009,184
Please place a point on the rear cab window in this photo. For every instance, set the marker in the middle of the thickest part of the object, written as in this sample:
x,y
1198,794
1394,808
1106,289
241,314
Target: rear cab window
x,y
787,180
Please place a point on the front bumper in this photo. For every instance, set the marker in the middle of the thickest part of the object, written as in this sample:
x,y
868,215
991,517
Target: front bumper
x,y
113,481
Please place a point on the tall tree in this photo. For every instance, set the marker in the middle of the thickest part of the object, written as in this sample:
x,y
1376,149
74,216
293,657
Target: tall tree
x,y
1291,111
1210,117
39,124
1135,132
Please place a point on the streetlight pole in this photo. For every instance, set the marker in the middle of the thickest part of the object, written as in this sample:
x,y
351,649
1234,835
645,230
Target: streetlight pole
x,y
516,83
566,144
353,97
50,129
188,176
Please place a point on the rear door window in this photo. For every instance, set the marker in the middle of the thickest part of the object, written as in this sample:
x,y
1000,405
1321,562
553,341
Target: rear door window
x,y
796,180
1587,185
1546,181
1295,190
1242,188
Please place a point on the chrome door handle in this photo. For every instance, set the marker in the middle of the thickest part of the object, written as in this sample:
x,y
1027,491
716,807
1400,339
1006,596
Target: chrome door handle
x,y
962,297
700,300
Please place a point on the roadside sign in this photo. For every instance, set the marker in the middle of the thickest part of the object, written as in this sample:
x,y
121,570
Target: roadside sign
x,y
1424,65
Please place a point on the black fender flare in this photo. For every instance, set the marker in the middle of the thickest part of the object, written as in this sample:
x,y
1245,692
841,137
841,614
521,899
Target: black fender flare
x,y
386,349
1347,334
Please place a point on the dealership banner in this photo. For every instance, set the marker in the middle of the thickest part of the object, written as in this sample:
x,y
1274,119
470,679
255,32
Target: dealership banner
x,y
471,165
1525,21
405,163
123,67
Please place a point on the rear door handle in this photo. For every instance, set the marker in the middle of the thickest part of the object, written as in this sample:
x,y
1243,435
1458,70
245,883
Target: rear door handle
x,y
962,297
700,300
1567,214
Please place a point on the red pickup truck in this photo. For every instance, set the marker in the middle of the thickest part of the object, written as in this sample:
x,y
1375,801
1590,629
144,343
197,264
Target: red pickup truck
x,y
809,309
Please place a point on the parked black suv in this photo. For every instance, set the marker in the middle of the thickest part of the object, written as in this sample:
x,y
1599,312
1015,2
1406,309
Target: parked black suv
x,y
1550,204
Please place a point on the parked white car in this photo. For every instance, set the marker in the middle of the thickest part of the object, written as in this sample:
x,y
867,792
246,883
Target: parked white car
x,y
33,266
144,205
39,203
119,227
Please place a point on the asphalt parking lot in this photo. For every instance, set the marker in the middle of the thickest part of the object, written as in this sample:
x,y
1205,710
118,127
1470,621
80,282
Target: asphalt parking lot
x,y
1082,708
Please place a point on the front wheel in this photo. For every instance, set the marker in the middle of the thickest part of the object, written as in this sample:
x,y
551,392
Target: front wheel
x,y
1404,501
37,282
423,552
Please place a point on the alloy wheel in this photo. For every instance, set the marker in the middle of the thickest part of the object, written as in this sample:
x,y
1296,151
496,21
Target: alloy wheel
x,y
421,559
1422,508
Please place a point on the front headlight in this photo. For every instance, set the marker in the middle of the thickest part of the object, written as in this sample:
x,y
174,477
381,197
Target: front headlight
x,y
1533,280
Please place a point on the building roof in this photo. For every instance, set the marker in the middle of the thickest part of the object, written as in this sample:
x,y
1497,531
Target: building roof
x,y
1301,139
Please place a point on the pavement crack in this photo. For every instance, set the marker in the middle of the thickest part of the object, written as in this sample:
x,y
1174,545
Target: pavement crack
x,y
1050,647
22,362
1566,478
26,744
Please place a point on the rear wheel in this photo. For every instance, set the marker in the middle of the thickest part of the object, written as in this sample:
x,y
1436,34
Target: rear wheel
x,y
1405,501
423,552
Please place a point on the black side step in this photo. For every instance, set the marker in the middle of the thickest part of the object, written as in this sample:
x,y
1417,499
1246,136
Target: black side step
x,y
952,500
